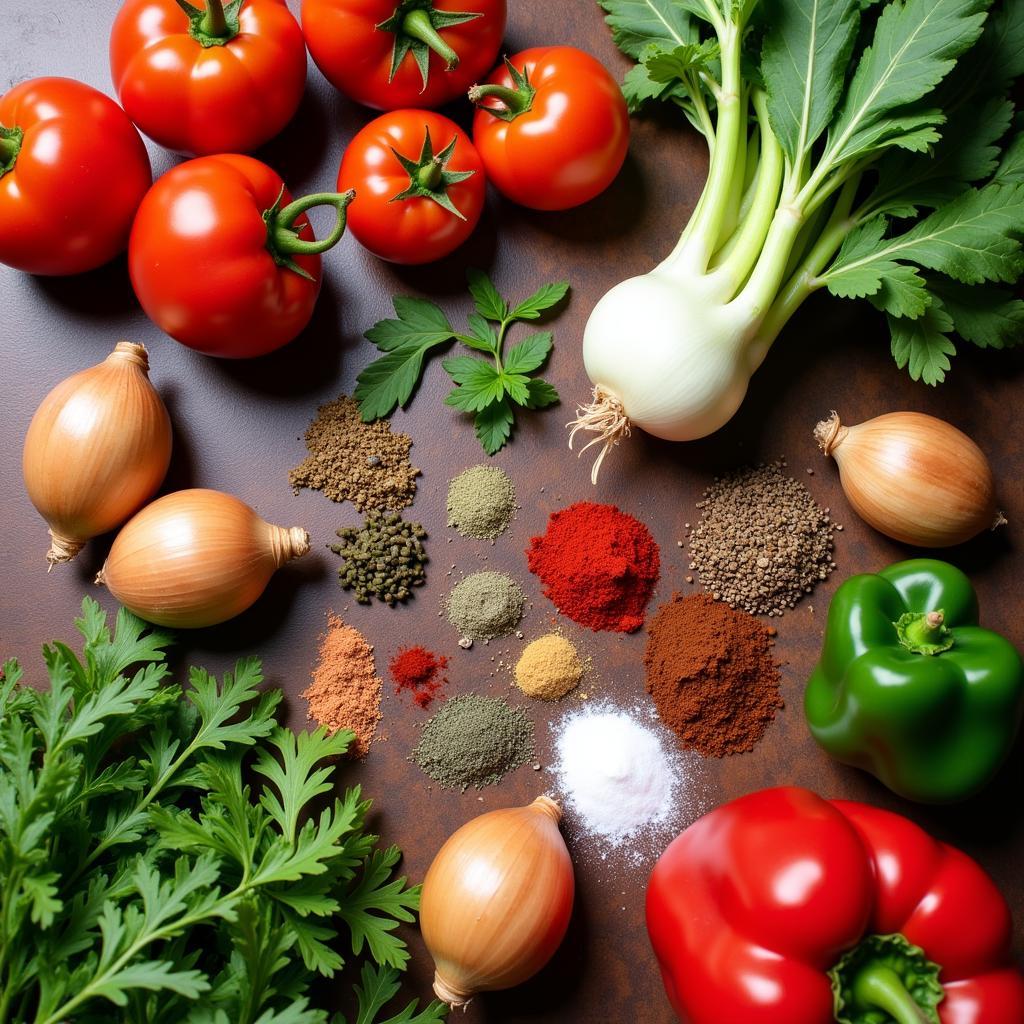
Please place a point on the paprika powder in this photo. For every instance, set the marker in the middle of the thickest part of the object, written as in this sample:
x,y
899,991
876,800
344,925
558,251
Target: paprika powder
x,y
598,565
420,672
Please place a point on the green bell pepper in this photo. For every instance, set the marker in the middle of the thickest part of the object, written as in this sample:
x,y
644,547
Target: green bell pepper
x,y
910,688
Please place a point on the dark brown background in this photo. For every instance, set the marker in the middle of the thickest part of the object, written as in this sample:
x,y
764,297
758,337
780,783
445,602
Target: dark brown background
x,y
238,428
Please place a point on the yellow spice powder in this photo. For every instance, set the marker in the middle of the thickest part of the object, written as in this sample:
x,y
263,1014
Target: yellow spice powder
x,y
549,668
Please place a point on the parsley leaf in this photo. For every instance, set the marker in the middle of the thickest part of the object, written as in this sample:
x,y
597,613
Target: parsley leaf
x,y
544,298
494,425
489,303
922,346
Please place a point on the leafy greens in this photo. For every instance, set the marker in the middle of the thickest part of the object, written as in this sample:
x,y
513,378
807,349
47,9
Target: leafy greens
x,y
173,853
866,148
486,388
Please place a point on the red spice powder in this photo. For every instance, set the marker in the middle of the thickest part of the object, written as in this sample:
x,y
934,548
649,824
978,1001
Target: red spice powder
x,y
420,672
598,565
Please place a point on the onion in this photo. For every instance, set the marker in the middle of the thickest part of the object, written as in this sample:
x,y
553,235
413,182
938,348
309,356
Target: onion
x,y
913,477
96,450
497,900
195,558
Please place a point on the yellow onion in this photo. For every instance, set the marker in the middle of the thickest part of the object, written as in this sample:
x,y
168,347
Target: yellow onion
x,y
96,450
497,900
913,477
195,558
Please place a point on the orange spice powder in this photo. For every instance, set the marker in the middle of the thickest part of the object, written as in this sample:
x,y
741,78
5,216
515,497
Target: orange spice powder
x,y
346,690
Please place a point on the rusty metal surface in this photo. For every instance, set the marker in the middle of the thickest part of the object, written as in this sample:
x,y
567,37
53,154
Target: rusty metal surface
x,y
238,428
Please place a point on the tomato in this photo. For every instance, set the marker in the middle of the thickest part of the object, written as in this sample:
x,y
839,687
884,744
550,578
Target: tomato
x,y
552,127
73,171
223,79
420,184
403,53
223,260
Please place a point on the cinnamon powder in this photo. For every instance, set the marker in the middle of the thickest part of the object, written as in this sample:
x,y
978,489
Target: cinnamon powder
x,y
346,690
711,673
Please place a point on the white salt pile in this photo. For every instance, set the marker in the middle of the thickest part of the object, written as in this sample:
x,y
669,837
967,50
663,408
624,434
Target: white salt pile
x,y
615,774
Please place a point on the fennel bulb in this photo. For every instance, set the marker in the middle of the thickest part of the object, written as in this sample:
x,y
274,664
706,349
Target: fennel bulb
x,y
832,133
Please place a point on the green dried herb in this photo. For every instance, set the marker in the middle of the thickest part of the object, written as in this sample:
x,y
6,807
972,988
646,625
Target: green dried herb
x,y
384,558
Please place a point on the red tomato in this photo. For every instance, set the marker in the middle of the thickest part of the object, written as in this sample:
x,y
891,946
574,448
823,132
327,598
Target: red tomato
x,y
223,260
73,171
556,137
420,184
403,53
197,91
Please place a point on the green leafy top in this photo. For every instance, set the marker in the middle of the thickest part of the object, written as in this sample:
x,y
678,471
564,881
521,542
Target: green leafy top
x,y
874,151
139,868
486,388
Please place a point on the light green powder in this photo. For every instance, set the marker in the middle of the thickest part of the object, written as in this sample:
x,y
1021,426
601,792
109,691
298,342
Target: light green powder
x,y
481,502
486,605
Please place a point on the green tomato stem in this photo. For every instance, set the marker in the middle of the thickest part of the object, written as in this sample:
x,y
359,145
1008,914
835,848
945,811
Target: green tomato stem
x,y
882,987
10,147
418,25
516,101
283,239
431,175
214,23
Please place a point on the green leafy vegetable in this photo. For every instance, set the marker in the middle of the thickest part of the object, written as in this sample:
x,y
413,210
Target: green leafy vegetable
x,y
171,856
487,389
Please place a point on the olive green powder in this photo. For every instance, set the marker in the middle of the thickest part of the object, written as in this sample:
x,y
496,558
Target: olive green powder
x,y
481,502
486,605
384,558
474,741
348,460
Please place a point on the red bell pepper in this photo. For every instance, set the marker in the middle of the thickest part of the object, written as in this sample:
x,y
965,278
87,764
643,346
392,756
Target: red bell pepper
x,y
784,908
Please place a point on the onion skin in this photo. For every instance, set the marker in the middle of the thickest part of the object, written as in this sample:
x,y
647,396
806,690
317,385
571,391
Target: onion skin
x,y
497,900
196,558
913,477
97,449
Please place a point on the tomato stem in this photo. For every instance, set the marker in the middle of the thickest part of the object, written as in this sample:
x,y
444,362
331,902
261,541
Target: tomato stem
x,y
418,25
283,239
512,98
10,147
431,175
516,99
214,22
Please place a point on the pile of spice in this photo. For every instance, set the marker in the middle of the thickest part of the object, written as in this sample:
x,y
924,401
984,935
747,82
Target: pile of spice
x,y
474,741
345,692
549,668
485,605
598,565
711,673
615,774
383,558
419,672
481,502
762,542
365,463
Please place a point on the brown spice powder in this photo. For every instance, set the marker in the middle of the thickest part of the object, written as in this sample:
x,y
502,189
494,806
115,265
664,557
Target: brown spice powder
x,y
711,673
346,690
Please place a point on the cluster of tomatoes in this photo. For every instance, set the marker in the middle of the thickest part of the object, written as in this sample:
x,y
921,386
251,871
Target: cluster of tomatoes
x,y
220,255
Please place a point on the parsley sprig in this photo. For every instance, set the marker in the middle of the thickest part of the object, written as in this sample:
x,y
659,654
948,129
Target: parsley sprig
x,y
486,388
173,856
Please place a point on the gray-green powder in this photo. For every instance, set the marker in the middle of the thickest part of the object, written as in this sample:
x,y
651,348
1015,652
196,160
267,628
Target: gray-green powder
x,y
481,502
486,605
474,741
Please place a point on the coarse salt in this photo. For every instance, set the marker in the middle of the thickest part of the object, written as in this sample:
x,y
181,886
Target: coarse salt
x,y
615,774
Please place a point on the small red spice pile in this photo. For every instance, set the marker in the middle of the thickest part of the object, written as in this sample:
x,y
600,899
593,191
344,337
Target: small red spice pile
x,y
598,565
420,672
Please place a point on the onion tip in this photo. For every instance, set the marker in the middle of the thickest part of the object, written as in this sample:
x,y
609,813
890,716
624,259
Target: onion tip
x,y
449,994
549,806
829,433
62,550
1000,520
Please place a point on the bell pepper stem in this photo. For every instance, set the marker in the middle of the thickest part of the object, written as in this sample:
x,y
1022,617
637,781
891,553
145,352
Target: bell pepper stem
x,y
924,632
418,25
515,100
284,239
214,23
882,987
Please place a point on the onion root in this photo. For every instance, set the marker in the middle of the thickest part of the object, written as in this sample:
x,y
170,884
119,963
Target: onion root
x,y
604,416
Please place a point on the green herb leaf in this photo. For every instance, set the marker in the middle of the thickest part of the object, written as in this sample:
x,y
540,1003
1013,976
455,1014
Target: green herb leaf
x,y
489,303
637,23
483,337
915,46
389,382
543,299
806,53
478,383
1011,167
419,323
377,987
529,354
666,66
923,345
515,385
494,425
541,394
983,315
638,87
